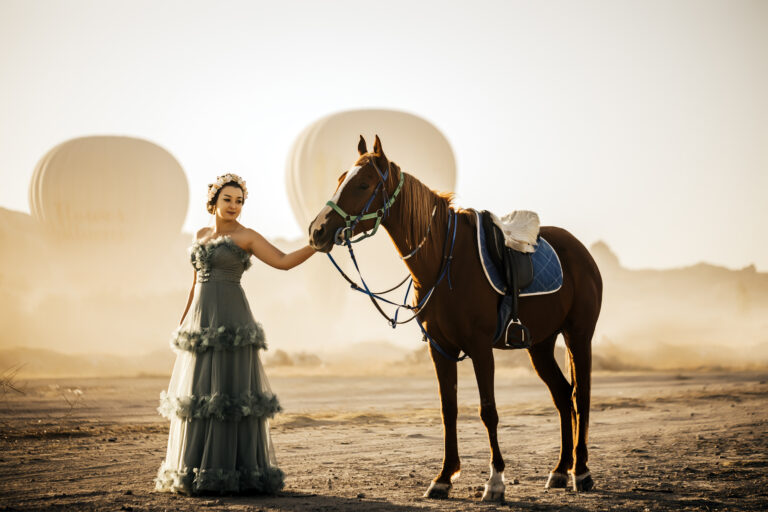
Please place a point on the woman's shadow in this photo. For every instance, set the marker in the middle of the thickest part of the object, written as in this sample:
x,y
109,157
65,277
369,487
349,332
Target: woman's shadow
x,y
301,502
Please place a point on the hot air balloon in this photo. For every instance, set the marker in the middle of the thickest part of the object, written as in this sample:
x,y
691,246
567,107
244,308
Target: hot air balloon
x,y
109,188
328,147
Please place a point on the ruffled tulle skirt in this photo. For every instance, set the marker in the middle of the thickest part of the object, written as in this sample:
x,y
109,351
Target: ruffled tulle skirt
x,y
219,404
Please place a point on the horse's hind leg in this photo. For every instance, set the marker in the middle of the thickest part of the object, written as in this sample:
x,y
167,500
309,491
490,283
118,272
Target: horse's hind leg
x,y
484,369
447,379
543,359
579,343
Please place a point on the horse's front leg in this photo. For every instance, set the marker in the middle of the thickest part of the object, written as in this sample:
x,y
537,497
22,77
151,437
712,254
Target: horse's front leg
x,y
446,378
484,369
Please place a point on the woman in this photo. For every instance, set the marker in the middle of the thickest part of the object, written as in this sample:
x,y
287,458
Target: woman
x,y
218,399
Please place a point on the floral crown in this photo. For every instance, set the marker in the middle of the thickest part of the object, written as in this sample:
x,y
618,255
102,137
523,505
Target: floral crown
x,y
214,187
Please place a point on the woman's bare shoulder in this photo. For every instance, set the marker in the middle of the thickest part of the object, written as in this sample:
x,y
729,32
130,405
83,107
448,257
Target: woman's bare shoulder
x,y
251,235
202,233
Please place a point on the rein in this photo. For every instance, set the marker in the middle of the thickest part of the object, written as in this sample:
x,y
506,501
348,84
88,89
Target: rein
x,y
429,226
343,236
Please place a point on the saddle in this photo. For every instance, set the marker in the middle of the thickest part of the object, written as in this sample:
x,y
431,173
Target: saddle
x,y
517,270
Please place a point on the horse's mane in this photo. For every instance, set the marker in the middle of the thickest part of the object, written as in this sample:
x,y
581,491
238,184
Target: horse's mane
x,y
416,209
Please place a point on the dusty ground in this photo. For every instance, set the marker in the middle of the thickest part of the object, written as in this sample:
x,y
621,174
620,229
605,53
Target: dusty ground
x,y
694,441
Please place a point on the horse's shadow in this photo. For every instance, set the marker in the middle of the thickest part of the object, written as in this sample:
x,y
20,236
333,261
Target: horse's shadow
x,y
299,501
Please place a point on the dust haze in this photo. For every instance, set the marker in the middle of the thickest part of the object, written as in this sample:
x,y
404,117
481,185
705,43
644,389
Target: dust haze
x,y
109,307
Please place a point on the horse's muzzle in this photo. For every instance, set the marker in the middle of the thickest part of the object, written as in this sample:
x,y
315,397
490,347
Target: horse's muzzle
x,y
320,243
321,238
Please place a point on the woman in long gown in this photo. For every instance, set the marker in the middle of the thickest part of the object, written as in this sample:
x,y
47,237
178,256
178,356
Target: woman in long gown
x,y
218,400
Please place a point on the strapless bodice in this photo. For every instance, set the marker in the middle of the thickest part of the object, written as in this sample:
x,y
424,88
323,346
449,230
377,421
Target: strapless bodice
x,y
219,259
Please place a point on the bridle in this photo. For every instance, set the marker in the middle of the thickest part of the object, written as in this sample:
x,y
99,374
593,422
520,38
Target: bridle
x,y
343,236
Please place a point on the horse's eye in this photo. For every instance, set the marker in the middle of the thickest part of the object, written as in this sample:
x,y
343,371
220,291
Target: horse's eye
x,y
363,186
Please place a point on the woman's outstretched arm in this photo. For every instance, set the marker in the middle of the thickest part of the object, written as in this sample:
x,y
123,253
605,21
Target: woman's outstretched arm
x,y
274,257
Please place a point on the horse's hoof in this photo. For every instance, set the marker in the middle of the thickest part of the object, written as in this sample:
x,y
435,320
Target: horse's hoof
x,y
582,482
492,494
494,487
557,481
438,491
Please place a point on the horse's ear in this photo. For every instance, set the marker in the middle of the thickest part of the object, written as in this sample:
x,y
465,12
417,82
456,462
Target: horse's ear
x,y
361,146
377,147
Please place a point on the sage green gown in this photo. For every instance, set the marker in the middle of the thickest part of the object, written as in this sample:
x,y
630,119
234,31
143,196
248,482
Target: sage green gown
x,y
218,399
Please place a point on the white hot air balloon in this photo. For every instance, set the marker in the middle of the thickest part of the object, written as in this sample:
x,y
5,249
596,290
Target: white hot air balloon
x,y
109,188
328,147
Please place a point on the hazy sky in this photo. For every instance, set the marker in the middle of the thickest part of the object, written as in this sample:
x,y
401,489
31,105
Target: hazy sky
x,y
644,123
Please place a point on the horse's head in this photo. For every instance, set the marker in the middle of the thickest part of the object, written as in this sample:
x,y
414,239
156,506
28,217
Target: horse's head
x,y
363,189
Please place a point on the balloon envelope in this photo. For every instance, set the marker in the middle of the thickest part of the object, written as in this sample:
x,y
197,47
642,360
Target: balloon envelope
x,y
109,188
328,147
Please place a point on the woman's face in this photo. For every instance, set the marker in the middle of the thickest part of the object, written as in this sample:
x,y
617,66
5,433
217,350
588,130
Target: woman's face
x,y
229,203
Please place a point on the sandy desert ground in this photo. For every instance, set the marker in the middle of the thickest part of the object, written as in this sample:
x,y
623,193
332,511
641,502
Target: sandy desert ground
x,y
659,441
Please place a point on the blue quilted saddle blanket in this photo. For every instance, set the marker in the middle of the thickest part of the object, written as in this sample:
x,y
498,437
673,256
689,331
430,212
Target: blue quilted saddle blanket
x,y
547,271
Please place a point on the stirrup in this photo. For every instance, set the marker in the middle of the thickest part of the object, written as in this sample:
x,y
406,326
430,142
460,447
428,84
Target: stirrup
x,y
516,335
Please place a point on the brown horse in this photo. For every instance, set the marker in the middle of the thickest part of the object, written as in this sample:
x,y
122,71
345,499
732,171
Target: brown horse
x,y
462,316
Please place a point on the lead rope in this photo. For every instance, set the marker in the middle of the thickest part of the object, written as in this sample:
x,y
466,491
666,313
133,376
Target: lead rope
x,y
445,270
374,296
